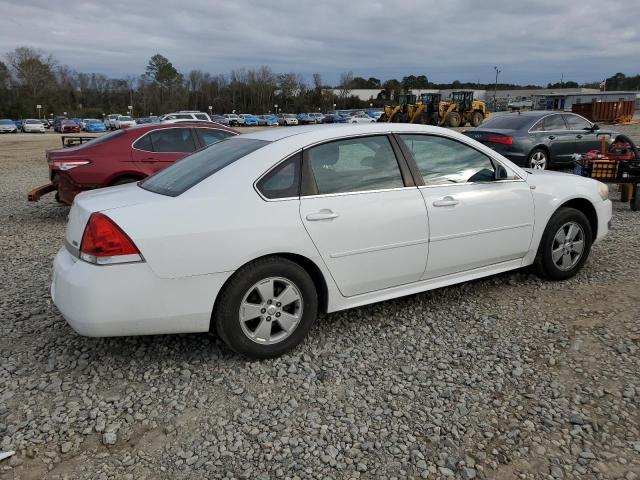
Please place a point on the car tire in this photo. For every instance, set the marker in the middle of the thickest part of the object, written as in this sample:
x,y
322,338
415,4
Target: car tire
x,y
538,159
236,325
454,119
556,260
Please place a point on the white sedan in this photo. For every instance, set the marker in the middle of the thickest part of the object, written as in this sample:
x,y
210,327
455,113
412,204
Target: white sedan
x,y
31,125
124,121
255,235
362,118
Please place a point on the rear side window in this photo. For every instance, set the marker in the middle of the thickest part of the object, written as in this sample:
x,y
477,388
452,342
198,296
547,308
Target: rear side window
x,y
172,140
553,122
283,181
184,174
355,165
209,136
144,143
201,116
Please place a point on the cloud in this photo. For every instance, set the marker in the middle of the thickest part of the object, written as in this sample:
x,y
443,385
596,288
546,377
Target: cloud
x,y
533,42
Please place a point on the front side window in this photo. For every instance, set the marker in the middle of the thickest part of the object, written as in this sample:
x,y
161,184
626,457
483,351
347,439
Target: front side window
x,y
283,181
574,122
191,170
175,140
443,161
354,165
201,116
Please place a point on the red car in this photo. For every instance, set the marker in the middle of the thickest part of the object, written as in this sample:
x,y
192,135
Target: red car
x,y
69,126
124,156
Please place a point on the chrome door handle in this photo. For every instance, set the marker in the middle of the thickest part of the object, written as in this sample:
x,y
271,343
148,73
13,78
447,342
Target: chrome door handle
x,y
551,137
322,215
578,136
446,202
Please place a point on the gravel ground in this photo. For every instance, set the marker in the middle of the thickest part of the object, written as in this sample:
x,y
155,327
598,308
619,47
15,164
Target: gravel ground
x,y
502,378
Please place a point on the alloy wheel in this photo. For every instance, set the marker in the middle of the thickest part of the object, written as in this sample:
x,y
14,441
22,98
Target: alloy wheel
x,y
567,246
538,161
270,310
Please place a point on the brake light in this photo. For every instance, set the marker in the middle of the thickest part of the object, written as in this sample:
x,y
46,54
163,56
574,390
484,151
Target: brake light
x,y
68,164
104,243
503,139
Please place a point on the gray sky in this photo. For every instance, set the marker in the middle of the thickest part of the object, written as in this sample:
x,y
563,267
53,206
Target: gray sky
x,y
533,41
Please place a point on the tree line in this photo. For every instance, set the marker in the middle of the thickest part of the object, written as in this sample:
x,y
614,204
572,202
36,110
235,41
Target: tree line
x,y
30,77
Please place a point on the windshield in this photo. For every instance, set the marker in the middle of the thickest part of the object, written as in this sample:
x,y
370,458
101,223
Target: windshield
x,y
90,120
508,122
6,122
125,119
184,174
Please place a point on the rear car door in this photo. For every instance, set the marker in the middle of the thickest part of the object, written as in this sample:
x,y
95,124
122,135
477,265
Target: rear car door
x,y
559,139
364,214
474,219
159,148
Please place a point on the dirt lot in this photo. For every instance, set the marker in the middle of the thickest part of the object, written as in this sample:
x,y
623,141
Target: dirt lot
x,y
506,377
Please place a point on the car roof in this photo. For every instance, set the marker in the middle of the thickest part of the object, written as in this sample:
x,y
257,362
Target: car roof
x,y
313,133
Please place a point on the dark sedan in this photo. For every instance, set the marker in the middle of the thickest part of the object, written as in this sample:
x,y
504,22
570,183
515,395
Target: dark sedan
x,y
540,139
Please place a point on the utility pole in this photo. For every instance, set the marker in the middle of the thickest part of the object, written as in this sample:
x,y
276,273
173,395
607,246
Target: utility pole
x,y
495,90
562,80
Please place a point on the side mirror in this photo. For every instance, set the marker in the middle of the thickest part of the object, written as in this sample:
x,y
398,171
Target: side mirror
x,y
595,127
501,173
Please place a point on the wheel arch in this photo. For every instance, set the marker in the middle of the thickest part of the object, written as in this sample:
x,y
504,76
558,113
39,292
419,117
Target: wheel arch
x,y
121,175
586,207
306,263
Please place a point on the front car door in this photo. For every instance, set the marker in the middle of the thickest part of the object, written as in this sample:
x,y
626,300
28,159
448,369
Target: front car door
x,y
364,214
474,219
158,149
585,137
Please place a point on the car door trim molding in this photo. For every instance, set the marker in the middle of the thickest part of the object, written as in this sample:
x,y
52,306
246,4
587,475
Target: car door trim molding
x,y
378,248
472,183
479,232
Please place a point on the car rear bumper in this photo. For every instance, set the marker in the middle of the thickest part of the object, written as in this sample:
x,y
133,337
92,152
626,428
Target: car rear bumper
x,y
129,299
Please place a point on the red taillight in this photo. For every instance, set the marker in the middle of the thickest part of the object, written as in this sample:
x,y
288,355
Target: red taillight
x,y
503,139
104,242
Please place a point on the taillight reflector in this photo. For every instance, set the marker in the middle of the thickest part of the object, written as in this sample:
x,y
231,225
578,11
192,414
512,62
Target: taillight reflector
x,y
104,242
65,165
503,139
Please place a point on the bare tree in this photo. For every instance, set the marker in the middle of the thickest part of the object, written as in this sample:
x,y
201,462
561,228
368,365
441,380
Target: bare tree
x,y
32,68
346,79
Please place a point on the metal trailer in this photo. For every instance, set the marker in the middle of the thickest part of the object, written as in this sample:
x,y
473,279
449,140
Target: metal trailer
x,y
620,165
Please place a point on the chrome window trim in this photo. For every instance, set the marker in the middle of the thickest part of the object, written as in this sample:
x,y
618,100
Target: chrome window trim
x,y
363,192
